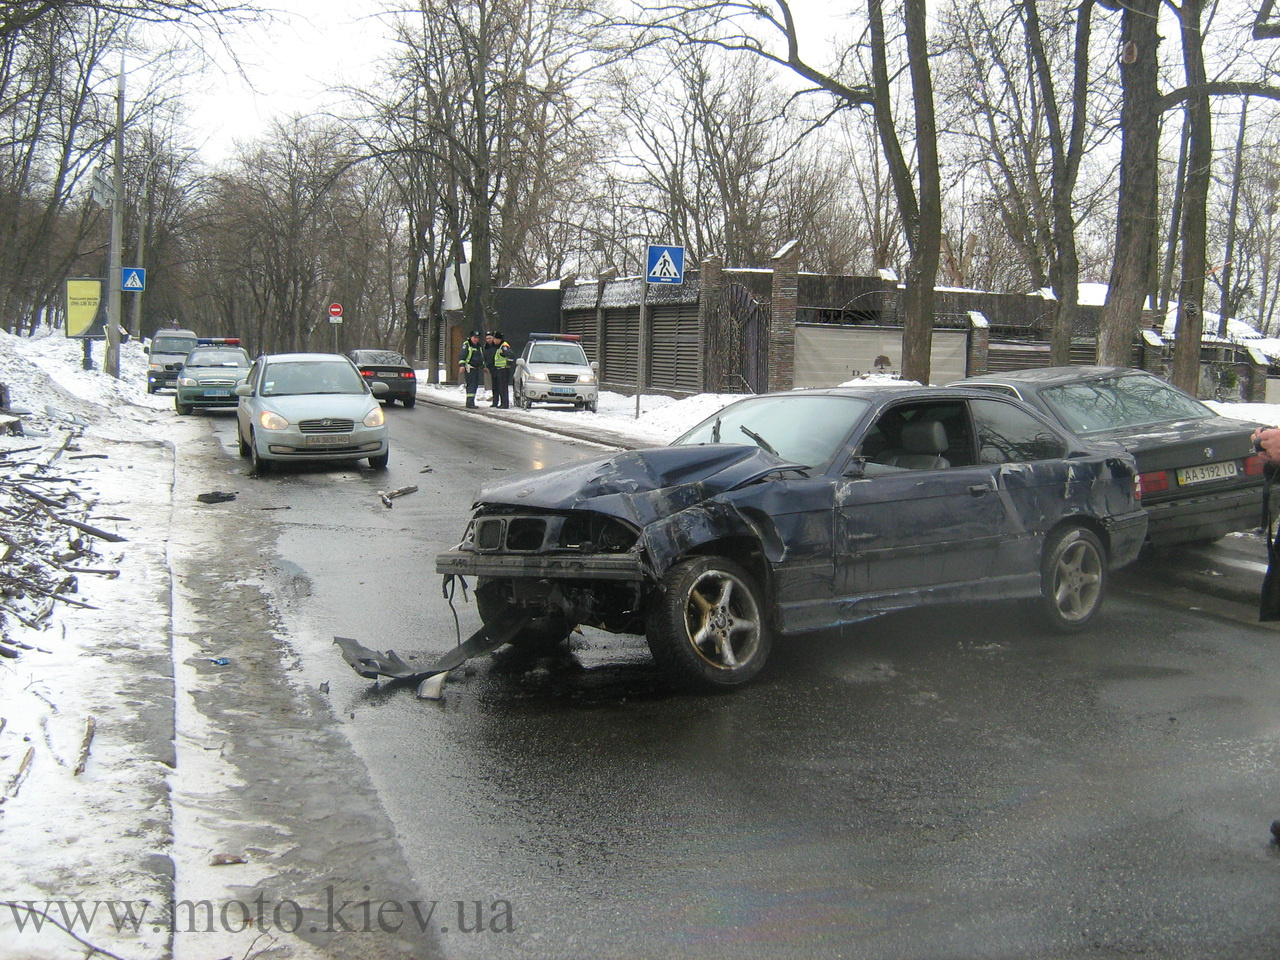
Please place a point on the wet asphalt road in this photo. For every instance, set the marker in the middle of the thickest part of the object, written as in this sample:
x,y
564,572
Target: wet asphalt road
x,y
955,783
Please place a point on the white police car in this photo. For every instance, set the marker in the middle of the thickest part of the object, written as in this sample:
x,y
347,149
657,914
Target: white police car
x,y
553,368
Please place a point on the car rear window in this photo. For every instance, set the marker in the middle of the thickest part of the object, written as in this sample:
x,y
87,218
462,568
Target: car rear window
x,y
383,358
1108,403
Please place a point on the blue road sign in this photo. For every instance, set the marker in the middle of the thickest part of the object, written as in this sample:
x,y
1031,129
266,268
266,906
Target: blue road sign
x,y
134,279
666,264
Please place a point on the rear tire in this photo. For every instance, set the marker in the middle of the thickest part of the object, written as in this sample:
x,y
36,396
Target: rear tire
x,y
1073,578
540,634
409,402
707,625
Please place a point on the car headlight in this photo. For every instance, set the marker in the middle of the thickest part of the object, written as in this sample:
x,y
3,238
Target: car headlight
x,y
537,375
374,418
586,378
188,382
270,420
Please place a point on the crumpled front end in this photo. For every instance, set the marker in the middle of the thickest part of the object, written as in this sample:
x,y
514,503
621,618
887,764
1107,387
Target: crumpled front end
x,y
585,565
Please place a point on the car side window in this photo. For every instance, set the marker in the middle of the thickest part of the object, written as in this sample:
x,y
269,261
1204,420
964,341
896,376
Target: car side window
x,y
1009,434
919,436
252,376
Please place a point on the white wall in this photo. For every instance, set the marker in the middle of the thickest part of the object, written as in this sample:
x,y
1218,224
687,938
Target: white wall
x,y
827,354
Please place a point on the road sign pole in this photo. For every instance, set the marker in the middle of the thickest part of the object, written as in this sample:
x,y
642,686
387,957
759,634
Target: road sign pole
x,y
644,300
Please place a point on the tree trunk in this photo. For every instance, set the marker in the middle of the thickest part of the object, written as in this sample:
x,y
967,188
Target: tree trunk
x,y
922,218
1186,351
1139,123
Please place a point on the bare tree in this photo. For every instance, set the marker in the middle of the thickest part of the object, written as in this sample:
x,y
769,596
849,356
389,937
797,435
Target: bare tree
x,y
769,32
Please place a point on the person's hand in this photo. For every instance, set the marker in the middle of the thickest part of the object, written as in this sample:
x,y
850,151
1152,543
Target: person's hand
x,y
1266,440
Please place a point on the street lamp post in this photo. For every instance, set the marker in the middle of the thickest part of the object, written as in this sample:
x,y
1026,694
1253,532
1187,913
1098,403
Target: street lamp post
x,y
111,361
135,322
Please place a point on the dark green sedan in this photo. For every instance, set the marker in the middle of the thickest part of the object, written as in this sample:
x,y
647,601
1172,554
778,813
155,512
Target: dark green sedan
x,y
209,376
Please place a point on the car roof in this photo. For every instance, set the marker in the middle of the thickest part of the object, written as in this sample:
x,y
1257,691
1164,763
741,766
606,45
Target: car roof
x,y
1052,375
302,357
877,391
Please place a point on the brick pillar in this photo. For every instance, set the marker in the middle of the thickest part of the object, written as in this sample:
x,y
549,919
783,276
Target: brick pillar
x,y
710,330
979,345
782,324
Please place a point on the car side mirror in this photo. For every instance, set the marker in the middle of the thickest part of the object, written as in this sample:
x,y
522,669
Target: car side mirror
x,y
855,469
520,362
146,348
595,366
379,388
243,389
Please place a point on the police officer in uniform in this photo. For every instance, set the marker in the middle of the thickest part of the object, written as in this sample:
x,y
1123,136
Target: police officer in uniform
x,y
497,357
471,365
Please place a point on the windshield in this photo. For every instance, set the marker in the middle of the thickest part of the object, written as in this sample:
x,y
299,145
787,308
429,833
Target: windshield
x,y
804,429
172,345
287,379
569,353
1131,400
218,357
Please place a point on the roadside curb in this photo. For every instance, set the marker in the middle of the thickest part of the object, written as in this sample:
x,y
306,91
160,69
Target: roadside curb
x,y
595,434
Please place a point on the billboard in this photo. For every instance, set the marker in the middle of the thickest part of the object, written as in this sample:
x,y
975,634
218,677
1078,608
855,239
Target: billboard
x,y
86,308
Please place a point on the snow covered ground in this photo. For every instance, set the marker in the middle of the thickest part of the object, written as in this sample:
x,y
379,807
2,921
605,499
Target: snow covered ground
x,y
97,689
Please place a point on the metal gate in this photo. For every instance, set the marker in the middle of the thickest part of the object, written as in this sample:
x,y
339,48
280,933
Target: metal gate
x,y
583,323
675,362
743,361
620,351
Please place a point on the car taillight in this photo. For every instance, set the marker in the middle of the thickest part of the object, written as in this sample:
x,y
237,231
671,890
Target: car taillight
x,y
1137,488
1252,466
366,373
409,375
1153,482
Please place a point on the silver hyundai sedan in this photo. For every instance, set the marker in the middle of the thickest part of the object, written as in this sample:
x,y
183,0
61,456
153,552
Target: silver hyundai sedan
x,y
309,406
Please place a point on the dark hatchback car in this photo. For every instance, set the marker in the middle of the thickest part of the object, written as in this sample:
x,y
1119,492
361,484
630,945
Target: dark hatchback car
x,y
389,367
795,512
1200,476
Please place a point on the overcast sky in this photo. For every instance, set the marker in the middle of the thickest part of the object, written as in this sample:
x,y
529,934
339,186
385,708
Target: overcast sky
x,y
315,46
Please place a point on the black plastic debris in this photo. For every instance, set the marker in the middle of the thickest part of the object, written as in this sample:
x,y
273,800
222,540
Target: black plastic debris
x,y
216,496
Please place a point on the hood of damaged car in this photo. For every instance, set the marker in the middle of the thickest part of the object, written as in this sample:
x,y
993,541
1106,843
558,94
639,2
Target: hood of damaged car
x,y
640,485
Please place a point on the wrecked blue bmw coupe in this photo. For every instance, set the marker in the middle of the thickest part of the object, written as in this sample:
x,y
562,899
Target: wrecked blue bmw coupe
x,y
801,511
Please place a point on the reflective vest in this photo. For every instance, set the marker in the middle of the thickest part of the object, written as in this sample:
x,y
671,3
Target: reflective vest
x,y
471,354
502,356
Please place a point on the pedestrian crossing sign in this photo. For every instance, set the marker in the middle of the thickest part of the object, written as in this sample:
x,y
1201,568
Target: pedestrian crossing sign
x,y
133,279
666,264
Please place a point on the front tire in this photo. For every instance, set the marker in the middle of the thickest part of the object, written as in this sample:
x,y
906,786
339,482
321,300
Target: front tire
x,y
541,634
261,466
707,626
184,409
380,462
1073,578
241,445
